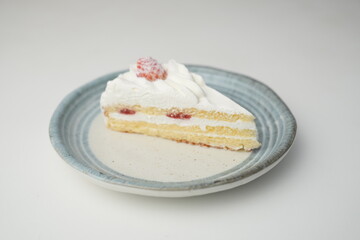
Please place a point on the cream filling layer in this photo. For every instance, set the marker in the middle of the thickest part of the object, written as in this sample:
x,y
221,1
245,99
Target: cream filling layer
x,y
202,123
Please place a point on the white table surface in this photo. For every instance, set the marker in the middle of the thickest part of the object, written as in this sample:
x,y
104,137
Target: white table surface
x,y
307,51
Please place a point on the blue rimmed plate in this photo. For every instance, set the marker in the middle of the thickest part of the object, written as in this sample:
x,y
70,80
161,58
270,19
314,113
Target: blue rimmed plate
x,y
157,167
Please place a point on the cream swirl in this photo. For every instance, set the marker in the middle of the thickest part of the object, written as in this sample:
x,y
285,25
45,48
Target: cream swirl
x,y
181,89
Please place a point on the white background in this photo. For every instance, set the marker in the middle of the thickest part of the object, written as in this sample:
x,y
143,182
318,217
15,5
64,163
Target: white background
x,y
307,51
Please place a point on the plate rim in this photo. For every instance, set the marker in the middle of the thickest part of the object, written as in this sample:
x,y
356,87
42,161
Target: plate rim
x,y
239,179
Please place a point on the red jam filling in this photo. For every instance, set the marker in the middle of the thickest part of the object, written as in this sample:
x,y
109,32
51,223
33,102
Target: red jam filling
x,y
127,111
179,115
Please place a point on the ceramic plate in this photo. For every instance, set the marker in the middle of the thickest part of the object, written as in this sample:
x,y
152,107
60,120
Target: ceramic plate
x,y
152,166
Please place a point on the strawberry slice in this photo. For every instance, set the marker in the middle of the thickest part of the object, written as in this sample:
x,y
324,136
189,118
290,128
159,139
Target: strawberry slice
x,y
179,115
127,111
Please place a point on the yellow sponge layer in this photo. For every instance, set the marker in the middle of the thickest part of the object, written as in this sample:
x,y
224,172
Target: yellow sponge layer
x,y
184,134
211,115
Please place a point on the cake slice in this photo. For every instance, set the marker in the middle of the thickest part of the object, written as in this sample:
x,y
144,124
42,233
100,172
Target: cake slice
x,y
168,101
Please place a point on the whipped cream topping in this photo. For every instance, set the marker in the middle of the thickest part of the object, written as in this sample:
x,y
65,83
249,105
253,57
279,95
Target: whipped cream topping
x,y
181,89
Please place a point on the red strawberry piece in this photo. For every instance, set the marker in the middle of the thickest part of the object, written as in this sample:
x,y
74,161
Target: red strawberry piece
x,y
150,69
127,111
179,115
